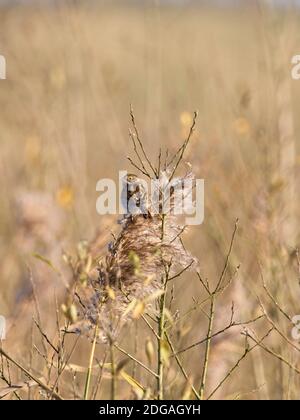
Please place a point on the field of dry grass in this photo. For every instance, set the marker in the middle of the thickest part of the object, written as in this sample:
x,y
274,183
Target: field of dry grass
x,y
72,72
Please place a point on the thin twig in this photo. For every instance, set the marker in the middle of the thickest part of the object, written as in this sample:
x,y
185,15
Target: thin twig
x,y
140,142
182,149
30,375
230,325
235,366
276,355
137,167
131,135
284,313
207,347
135,360
181,367
44,335
227,256
113,371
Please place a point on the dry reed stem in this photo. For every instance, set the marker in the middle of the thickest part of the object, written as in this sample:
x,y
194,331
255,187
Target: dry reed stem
x,y
31,376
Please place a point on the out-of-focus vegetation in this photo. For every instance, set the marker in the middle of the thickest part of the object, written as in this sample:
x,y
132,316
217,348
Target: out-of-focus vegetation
x,y
72,71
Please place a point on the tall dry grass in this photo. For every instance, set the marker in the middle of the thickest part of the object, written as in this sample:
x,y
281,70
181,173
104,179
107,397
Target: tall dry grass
x,y
72,71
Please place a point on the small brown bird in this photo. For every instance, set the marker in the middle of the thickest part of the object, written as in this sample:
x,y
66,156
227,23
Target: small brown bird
x,y
134,196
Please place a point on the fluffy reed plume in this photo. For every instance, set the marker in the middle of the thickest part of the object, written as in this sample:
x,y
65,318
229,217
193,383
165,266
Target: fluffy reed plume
x,y
130,279
147,251
138,258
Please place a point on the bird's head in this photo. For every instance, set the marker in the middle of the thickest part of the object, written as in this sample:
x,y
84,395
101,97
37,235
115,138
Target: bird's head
x,y
129,179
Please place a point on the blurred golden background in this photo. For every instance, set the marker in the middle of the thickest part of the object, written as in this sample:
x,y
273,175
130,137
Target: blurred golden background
x,y
73,69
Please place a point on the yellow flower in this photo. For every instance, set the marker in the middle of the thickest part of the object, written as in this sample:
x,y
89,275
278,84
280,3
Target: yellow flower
x,y
186,119
65,197
57,78
241,126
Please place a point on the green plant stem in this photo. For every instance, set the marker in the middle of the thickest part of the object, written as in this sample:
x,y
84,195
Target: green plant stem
x,y
161,326
136,360
113,372
161,332
90,367
207,347
179,363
